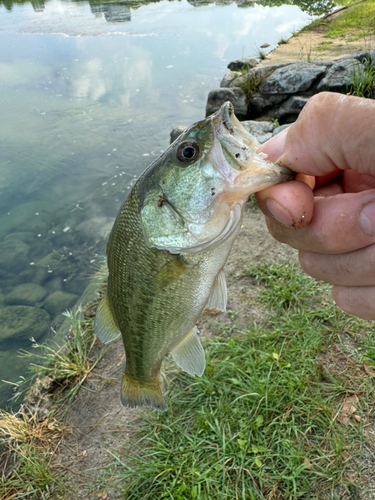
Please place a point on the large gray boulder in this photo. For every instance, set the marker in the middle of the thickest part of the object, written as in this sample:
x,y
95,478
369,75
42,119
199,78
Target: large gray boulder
x,y
20,323
293,78
256,75
58,302
27,294
176,132
292,106
13,254
258,129
340,74
229,78
236,96
242,64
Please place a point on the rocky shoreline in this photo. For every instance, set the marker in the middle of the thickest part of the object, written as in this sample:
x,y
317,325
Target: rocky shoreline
x,y
281,91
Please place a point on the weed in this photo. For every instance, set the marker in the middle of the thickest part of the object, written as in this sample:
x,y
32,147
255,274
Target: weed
x,y
69,365
260,423
31,443
250,86
362,81
283,40
260,54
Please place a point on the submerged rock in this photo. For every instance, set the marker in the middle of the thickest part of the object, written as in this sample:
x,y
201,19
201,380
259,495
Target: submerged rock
x,y
27,294
58,302
23,322
13,254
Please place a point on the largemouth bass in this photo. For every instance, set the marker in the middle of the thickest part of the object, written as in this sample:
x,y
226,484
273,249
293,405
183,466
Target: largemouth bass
x,y
168,246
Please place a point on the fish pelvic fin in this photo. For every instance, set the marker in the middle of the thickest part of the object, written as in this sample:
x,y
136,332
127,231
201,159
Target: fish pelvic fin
x,y
135,394
218,296
189,354
104,325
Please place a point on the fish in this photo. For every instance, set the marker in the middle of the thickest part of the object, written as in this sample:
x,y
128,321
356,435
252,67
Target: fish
x,y
168,247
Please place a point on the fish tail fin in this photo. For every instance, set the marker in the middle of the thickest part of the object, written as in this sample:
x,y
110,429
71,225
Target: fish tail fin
x,y
135,394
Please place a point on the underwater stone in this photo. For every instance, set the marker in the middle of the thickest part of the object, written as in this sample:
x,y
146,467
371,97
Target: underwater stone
x,y
23,322
27,294
58,302
51,261
54,285
13,254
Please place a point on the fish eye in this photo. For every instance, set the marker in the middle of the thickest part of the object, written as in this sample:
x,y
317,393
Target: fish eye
x,y
188,151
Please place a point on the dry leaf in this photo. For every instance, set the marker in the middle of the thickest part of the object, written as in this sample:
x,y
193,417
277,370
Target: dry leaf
x,y
343,418
369,369
357,417
307,463
349,408
212,311
84,453
345,455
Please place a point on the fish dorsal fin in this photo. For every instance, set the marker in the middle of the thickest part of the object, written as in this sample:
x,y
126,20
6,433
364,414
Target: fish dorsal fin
x,y
189,354
105,327
218,295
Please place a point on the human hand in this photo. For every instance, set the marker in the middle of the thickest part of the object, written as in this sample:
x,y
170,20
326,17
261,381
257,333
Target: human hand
x,y
329,214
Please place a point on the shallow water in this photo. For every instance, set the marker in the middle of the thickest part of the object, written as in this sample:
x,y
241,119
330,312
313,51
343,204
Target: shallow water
x,y
88,96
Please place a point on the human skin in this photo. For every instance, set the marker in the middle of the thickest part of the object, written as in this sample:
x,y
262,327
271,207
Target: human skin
x,y
328,214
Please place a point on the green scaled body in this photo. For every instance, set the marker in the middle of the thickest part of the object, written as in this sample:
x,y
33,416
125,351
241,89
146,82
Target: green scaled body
x,y
168,247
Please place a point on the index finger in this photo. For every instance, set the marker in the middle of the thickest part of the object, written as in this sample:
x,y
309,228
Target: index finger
x,y
332,132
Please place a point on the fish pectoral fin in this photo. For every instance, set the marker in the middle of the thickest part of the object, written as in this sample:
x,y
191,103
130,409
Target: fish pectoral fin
x,y
189,354
135,394
218,295
104,325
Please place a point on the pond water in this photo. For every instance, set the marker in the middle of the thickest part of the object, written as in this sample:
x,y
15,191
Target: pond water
x,y
89,92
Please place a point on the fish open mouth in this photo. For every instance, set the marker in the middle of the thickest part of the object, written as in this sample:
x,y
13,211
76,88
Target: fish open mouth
x,y
250,171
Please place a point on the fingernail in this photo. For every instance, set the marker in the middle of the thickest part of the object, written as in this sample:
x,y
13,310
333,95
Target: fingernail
x,y
278,212
366,219
274,147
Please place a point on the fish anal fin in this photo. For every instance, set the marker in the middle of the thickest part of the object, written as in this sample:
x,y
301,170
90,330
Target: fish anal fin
x,y
104,325
218,296
189,354
135,394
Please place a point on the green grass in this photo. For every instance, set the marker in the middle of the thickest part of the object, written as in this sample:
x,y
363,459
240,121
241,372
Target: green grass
x,y
357,22
67,366
260,54
362,81
32,438
262,421
250,86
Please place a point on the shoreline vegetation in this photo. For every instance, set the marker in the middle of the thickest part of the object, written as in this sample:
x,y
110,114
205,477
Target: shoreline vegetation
x,y
285,409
